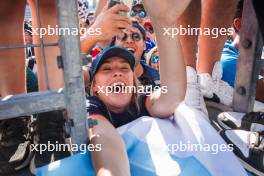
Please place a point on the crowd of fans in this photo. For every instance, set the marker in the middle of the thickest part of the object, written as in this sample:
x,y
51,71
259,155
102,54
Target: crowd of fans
x,y
133,39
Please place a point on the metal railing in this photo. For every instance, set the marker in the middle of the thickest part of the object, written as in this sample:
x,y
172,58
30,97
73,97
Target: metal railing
x,y
72,96
250,51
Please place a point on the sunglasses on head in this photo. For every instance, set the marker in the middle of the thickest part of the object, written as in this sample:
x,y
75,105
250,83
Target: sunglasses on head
x,y
134,36
140,13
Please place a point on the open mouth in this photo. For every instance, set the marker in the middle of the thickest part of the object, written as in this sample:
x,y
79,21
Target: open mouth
x,y
132,50
117,87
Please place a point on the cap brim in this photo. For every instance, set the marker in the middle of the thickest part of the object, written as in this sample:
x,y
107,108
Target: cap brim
x,y
115,51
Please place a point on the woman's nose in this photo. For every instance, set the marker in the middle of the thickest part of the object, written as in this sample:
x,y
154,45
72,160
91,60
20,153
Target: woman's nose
x,y
117,73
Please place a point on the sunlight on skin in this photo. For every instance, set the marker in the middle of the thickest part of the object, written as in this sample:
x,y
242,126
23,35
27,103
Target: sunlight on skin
x,y
104,172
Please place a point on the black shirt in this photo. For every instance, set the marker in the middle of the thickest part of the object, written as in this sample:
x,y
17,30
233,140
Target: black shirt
x,y
95,106
150,76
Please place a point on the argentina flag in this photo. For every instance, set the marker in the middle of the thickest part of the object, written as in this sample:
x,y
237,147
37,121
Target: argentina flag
x,y
186,144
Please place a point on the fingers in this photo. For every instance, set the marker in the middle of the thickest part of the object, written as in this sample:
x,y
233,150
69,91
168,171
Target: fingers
x,y
116,8
119,7
122,24
119,33
113,23
118,17
121,21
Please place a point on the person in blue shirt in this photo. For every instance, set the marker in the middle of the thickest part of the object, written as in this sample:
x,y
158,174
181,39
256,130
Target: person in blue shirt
x,y
229,55
229,62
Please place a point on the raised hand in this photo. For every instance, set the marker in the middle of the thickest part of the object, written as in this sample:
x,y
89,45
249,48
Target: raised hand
x,y
164,14
110,22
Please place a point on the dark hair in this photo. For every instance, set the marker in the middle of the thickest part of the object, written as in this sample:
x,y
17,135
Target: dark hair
x,y
140,28
136,3
87,22
239,9
238,13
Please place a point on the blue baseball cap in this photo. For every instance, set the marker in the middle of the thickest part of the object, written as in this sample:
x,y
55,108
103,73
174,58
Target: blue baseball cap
x,y
113,51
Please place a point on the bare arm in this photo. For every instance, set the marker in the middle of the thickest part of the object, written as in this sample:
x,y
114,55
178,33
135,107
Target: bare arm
x,y
87,43
99,7
172,67
112,158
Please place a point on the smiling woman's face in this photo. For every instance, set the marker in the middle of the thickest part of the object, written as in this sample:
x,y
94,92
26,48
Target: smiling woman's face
x,y
113,75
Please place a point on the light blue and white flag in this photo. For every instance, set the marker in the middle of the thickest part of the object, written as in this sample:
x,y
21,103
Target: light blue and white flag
x,y
186,144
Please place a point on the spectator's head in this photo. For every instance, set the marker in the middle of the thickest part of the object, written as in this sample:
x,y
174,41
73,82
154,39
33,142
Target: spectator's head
x,y
134,40
138,12
238,16
28,32
91,17
112,71
149,30
84,25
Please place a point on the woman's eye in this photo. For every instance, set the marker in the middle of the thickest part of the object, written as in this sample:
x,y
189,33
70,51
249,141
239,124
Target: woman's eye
x,y
106,69
125,68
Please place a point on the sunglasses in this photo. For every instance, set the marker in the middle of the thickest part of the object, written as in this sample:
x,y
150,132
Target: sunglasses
x,y
140,13
154,59
134,36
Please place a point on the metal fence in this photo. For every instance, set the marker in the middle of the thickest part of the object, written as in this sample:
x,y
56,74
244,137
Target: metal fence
x,y
250,51
72,96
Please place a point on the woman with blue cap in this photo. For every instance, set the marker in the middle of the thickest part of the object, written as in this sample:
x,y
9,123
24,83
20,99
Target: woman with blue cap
x,y
112,72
